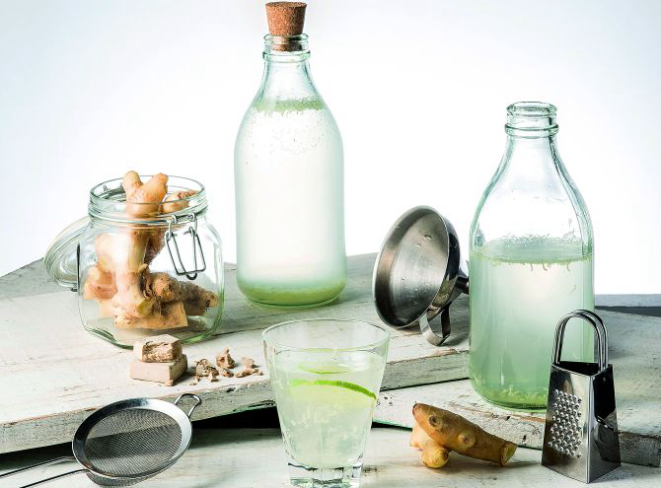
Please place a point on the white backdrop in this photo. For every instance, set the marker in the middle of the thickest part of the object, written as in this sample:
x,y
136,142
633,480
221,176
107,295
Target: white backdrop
x,y
89,89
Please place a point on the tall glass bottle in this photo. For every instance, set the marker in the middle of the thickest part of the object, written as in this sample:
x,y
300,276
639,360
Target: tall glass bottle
x,y
530,263
289,179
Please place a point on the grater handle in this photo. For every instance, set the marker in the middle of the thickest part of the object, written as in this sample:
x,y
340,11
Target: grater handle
x,y
597,324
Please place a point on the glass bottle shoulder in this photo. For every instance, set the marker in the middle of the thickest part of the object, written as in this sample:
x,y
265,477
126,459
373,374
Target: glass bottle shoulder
x,y
527,208
275,124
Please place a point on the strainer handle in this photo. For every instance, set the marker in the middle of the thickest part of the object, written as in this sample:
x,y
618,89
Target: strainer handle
x,y
198,400
63,475
597,324
43,463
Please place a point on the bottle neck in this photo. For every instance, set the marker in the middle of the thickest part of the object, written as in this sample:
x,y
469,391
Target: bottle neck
x,y
531,160
531,152
286,69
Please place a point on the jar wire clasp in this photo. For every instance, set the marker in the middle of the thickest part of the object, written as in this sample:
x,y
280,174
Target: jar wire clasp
x,y
170,236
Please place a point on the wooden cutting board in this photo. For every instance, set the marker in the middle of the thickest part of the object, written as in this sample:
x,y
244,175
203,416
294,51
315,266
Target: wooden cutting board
x,y
53,373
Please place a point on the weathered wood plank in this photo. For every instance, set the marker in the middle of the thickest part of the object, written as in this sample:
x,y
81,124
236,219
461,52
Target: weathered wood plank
x,y
58,373
29,280
255,458
634,353
637,301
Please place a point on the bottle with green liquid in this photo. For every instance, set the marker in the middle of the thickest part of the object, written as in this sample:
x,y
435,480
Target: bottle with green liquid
x,y
289,178
531,262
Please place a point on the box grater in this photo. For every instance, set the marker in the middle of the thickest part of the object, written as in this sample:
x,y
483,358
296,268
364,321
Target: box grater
x,y
580,437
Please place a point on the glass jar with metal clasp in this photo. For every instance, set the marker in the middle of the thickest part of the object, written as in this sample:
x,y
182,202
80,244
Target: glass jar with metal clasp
x,y
138,273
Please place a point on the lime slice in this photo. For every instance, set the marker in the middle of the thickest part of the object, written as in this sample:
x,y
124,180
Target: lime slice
x,y
324,368
340,384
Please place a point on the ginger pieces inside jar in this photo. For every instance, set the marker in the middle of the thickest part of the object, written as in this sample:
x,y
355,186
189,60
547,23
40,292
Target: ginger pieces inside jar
x,y
121,280
438,431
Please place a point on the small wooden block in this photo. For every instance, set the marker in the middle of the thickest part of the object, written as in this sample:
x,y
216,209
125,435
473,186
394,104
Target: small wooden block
x,y
166,373
158,349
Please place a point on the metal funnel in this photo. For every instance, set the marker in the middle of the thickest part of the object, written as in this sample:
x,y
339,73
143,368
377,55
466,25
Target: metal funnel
x,y
417,274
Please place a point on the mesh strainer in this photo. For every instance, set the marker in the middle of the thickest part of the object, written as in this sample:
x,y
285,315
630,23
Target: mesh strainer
x,y
127,442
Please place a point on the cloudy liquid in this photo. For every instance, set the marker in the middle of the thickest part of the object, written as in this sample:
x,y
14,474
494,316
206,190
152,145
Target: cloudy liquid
x,y
290,214
325,404
515,305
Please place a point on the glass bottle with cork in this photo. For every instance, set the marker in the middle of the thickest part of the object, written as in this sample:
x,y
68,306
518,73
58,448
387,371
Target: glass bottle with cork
x,y
289,178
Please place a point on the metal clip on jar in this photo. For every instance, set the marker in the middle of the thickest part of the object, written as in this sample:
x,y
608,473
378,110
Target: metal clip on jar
x,y
142,276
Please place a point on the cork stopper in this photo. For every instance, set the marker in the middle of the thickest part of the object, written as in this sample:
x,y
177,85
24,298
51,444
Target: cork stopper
x,y
286,19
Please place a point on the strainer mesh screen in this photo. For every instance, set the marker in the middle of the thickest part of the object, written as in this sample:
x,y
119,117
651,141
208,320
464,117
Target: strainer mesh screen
x,y
132,442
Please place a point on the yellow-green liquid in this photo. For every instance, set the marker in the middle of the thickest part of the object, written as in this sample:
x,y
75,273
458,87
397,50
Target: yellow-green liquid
x,y
295,295
519,291
325,403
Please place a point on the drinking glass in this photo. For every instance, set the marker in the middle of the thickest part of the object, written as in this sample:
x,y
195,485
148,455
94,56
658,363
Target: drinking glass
x,y
326,375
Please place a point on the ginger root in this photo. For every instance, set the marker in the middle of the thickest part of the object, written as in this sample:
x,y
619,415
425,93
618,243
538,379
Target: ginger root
x,y
451,432
224,360
248,362
99,284
419,437
121,281
204,369
177,201
165,288
242,373
124,253
434,455
170,316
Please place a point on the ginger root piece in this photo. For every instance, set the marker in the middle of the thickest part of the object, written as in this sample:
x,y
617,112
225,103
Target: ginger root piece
x,y
197,308
171,316
99,285
144,199
434,455
156,241
224,360
248,362
227,373
204,369
165,288
108,308
454,432
248,372
126,251
123,254
419,437
177,201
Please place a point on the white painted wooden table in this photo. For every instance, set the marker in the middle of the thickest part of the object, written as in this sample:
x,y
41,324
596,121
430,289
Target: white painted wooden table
x,y
254,458
55,374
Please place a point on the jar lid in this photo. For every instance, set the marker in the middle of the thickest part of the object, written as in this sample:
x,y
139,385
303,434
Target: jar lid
x,y
61,259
